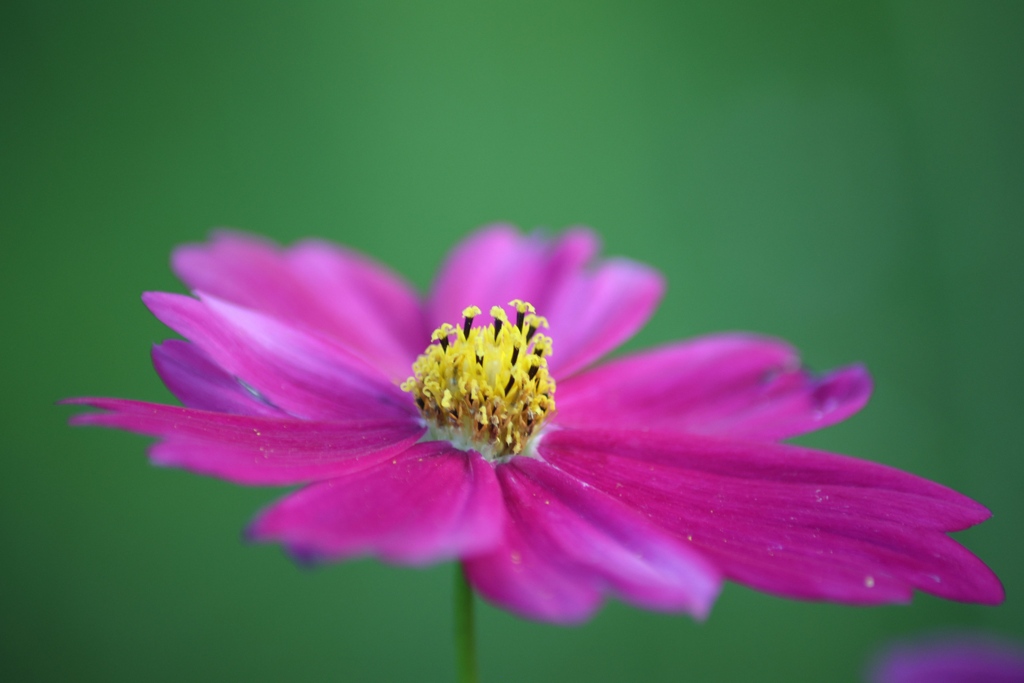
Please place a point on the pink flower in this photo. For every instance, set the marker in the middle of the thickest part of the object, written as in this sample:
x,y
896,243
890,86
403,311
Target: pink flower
x,y
966,658
658,474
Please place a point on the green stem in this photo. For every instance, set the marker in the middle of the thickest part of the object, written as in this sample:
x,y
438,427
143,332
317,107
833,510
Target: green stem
x,y
465,641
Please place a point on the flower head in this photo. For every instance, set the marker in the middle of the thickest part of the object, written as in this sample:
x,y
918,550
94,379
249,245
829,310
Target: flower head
x,y
656,476
486,388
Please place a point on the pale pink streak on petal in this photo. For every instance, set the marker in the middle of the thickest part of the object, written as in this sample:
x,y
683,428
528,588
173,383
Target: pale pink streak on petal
x,y
254,450
789,520
430,503
592,305
303,373
567,544
198,382
317,286
731,384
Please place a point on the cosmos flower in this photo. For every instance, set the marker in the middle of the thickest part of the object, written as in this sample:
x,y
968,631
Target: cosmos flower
x,y
963,658
497,441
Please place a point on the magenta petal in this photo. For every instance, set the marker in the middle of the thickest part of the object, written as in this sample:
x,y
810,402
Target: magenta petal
x,y
491,267
789,520
304,374
254,450
430,503
566,545
599,310
315,286
967,658
200,383
592,306
735,385
524,580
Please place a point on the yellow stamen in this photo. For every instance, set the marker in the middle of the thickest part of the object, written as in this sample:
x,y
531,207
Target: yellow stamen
x,y
486,388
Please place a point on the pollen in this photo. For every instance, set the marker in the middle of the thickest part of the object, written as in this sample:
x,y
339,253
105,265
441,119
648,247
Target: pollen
x,y
486,387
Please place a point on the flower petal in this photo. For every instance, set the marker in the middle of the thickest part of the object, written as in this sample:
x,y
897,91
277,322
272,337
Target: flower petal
x,y
789,520
316,286
963,658
254,450
734,385
591,307
600,311
200,383
304,374
497,264
430,503
565,545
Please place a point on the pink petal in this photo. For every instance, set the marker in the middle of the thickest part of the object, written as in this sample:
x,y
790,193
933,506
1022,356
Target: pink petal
x,y
789,520
600,311
592,307
497,264
304,374
430,503
316,286
963,658
254,450
566,545
733,385
200,383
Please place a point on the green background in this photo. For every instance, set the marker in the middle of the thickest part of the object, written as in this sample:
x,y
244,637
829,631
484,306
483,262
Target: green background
x,y
847,176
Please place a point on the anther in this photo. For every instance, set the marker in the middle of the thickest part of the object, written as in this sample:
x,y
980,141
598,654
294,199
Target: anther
x,y
515,355
522,308
511,382
534,322
441,335
498,313
533,371
469,313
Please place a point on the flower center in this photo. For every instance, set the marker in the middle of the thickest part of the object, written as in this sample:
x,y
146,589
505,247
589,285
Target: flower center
x,y
486,388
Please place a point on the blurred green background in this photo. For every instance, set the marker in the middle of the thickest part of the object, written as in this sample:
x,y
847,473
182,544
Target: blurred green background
x,y
844,175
